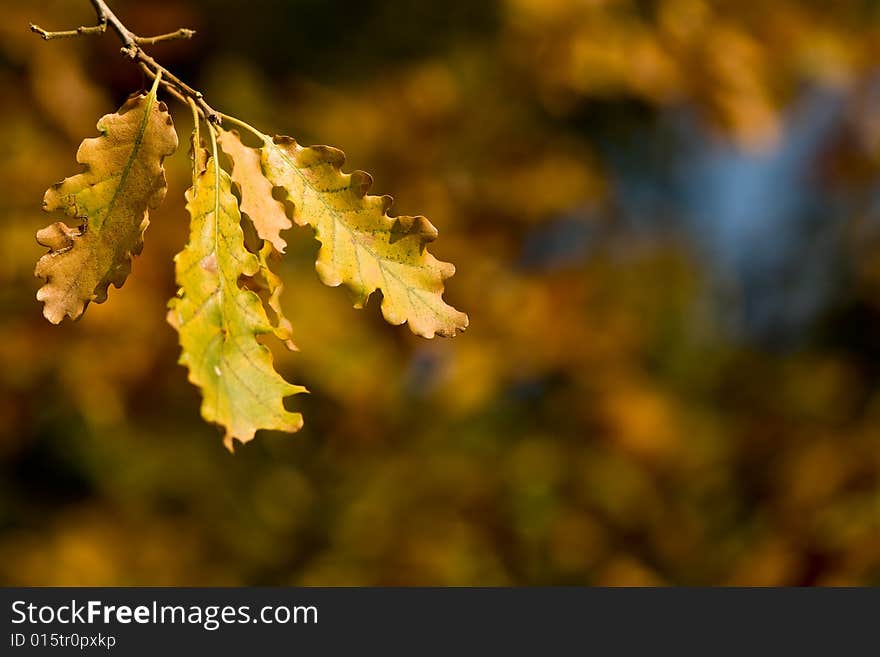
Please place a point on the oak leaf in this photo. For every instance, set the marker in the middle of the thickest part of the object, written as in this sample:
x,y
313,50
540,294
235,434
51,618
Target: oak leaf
x,y
282,327
361,245
219,322
123,179
268,218
257,202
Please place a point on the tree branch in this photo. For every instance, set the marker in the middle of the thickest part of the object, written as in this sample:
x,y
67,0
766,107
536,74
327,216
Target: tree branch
x,y
82,30
182,33
131,48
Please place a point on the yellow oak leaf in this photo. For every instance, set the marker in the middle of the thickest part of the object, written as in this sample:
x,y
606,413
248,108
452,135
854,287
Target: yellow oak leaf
x,y
361,245
267,214
218,321
282,327
123,179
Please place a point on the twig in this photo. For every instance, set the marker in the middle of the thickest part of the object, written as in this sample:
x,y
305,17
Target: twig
x,y
131,48
182,33
172,91
82,30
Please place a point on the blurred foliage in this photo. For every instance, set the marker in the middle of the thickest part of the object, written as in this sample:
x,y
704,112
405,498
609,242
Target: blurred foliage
x,y
603,421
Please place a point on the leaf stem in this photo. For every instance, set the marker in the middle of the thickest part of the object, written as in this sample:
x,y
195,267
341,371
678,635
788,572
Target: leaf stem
x,y
82,30
196,139
246,126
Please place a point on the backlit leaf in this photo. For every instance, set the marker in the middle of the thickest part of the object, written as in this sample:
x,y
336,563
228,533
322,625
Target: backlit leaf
x,y
274,286
257,203
219,322
124,178
361,245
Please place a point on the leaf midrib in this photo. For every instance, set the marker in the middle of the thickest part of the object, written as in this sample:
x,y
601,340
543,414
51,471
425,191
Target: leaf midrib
x,y
138,142
336,220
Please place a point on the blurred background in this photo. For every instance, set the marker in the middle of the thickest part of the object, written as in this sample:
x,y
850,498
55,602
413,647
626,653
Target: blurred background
x,y
665,217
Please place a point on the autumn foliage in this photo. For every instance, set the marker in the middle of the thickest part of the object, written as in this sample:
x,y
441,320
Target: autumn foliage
x,y
664,221
218,320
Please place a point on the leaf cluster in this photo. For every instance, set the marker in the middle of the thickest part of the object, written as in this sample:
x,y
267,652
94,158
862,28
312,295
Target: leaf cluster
x,y
218,314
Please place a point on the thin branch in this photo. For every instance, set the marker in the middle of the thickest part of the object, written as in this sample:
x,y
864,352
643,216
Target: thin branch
x,y
101,10
106,15
133,51
82,30
151,66
182,33
131,48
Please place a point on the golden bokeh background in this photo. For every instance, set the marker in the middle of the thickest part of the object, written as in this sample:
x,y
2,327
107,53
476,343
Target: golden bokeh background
x,y
665,216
